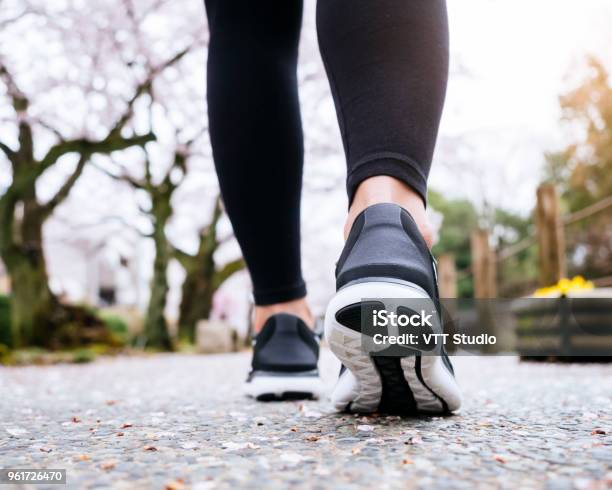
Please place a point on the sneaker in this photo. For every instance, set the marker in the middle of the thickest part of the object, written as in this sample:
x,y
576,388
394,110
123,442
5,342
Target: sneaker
x,y
285,357
385,256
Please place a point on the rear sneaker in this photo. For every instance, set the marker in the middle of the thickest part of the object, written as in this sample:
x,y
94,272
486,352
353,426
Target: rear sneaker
x,y
285,356
385,257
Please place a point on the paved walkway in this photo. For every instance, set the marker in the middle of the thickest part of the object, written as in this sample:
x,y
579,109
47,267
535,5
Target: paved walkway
x,y
177,421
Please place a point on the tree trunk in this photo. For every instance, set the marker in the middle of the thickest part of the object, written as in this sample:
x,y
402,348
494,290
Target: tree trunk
x,y
32,303
156,328
196,302
37,317
202,282
33,306
199,286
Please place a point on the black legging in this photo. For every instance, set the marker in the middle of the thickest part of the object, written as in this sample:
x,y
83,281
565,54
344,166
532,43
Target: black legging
x,y
387,63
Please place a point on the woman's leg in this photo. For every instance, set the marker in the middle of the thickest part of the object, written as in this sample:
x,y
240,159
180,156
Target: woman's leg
x,y
256,136
387,63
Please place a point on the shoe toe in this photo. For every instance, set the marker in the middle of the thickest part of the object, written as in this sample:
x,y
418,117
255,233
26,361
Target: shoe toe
x,y
345,392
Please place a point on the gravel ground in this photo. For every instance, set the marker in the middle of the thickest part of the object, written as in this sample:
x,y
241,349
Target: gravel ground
x,y
178,421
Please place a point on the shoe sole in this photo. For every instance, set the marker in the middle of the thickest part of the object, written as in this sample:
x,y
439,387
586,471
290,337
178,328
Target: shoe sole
x,y
399,385
277,387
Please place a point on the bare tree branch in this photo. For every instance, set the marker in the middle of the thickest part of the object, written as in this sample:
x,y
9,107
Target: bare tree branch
x,y
180,163
84,146
147,167
227,270
102,222
175,59
113,141
185,259
145,87
48,127
10,154
207,240
65,189
20,105
130,10
142,88
190,142
18,98
217,213
124,177
15,18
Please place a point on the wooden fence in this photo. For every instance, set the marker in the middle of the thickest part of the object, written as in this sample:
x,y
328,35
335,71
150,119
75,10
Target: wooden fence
x,y
549,236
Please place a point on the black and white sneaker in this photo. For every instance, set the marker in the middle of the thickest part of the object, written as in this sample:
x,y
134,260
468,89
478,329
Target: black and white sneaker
x,y
285,357
385,256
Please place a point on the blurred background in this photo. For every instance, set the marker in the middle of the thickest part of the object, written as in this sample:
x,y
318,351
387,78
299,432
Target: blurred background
x,y
111,231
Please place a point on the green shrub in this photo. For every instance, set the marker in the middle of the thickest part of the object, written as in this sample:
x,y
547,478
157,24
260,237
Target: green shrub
x,y
5,320
117,327
31,355
5,354
83,355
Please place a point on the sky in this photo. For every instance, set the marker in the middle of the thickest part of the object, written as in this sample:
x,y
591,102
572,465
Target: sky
x,y
510,62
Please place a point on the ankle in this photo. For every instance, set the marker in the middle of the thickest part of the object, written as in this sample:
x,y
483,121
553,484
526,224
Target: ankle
x,y
384,189
298,307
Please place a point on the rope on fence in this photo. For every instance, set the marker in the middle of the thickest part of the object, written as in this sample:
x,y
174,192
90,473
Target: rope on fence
x,y
568,219
523,244
464,273
603,282
515,248
605,203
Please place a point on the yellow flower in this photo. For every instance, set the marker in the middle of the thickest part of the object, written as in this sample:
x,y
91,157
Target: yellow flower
x,y
565,286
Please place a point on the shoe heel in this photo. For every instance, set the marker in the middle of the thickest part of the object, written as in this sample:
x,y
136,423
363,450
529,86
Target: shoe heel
x,y
343,335
383,383
345,309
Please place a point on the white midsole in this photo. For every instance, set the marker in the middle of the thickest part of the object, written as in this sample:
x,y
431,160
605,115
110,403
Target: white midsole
x,y
278,385
362,386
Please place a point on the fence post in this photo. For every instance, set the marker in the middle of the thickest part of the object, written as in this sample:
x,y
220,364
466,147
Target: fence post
x,y
483,265
484,269
447,276
550,236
